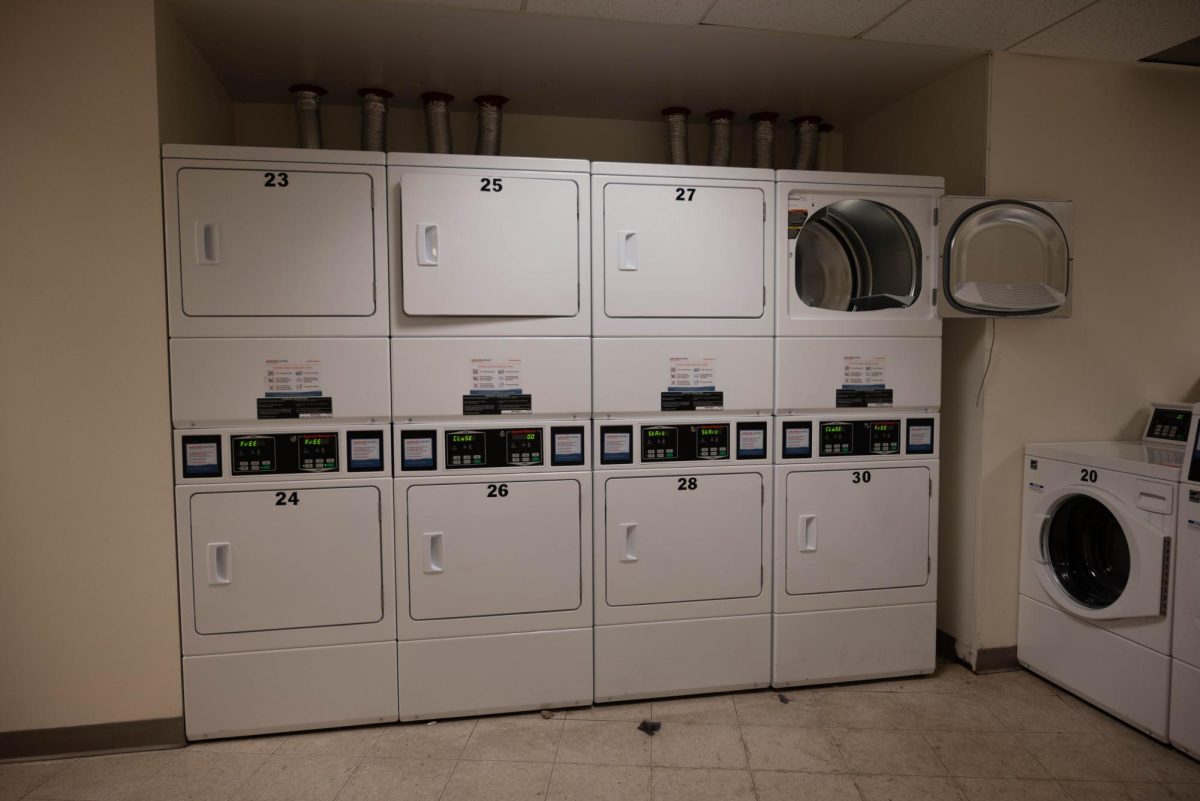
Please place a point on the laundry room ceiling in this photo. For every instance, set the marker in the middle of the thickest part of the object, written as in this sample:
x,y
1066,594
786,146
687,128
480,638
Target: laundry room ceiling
x,y
629,58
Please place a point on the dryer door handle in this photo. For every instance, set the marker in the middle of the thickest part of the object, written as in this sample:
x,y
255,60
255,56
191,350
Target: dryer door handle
x,y
807,536
220,563
631,542
427,244
433,551
627,252
208,243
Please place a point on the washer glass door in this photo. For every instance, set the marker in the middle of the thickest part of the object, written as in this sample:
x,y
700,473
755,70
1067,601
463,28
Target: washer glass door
x,y
857,255
1087,551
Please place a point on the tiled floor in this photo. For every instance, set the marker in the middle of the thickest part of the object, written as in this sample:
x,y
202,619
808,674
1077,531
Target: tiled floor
x,y
953,735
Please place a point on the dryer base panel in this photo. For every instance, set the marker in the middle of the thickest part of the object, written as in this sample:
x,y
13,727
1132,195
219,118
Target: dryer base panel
x,y
260,692
1128,680
486,675
682,657
1185,707
876,642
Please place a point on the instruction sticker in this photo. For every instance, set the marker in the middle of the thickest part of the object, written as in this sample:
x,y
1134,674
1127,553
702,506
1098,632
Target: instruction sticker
x,y
864,371
286,378
200,454
685,374
418,449
495,376
797,439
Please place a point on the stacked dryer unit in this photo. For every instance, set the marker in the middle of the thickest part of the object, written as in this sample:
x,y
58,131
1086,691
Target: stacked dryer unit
x,y
491,392
866,266
1185,663
278,309
682,323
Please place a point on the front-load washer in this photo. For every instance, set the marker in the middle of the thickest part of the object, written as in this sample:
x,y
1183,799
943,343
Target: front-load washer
x,y
1097,546
275,242
856,498
682,251
490,246
494,567
286,578
682,549
1185,663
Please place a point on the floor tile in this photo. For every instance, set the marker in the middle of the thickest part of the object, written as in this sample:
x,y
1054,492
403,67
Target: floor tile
x,y
298,778
603,742
1096,718
778,748
514,740
990,754
897,753
199,775
946,678
18,778
1012,682
701,784
907,788
599,783
391,779
698,745
765,708
441,740
1185,792
1012,790
335,742
851,710
778,786
634,710
266,744
498,781
697,709
1035,712
1116,791
948,712
1165,763
1088,756
103,778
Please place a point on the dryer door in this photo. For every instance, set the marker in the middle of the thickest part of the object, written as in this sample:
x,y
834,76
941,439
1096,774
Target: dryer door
x,y
285,556
1005,258
496,547
1186,643
1095,559
671,539
863,529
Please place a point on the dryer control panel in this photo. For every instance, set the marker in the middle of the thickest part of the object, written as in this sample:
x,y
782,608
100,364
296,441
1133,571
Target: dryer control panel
x,y
858,436
455,448
655,442
245,454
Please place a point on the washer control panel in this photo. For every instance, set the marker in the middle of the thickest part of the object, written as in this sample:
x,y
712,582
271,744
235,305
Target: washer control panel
x,y
857,436
673,442
487,448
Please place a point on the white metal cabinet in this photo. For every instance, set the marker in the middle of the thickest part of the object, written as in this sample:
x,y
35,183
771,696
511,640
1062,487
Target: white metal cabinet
x,y
681,251
268,247
297,556
496,547
857,529
683,538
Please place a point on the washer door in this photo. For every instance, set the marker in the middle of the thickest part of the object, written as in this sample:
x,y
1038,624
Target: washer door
x,y
1095,560
857,256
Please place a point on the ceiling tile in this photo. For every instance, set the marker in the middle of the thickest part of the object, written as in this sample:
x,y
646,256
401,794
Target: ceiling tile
x,y
823,17
676,12
978,24
1118,30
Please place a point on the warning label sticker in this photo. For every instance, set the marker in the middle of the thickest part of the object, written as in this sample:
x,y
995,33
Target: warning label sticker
x,y
495,376
864,371
686,374
286,378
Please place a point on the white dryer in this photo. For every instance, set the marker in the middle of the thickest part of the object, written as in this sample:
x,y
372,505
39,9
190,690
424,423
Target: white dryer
x,y
682,545
286,578
1185,664
275,242
855,546
493,560
1097,544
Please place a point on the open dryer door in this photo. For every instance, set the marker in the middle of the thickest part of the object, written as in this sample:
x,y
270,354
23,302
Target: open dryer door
x,y
1004,258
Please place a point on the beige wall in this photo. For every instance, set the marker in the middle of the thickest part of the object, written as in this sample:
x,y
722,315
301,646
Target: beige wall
x,y
942,130
193,106
273,125
1121,141
88,619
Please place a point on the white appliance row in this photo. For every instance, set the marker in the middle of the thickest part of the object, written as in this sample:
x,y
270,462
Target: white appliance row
x,y
279,242
1109,573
